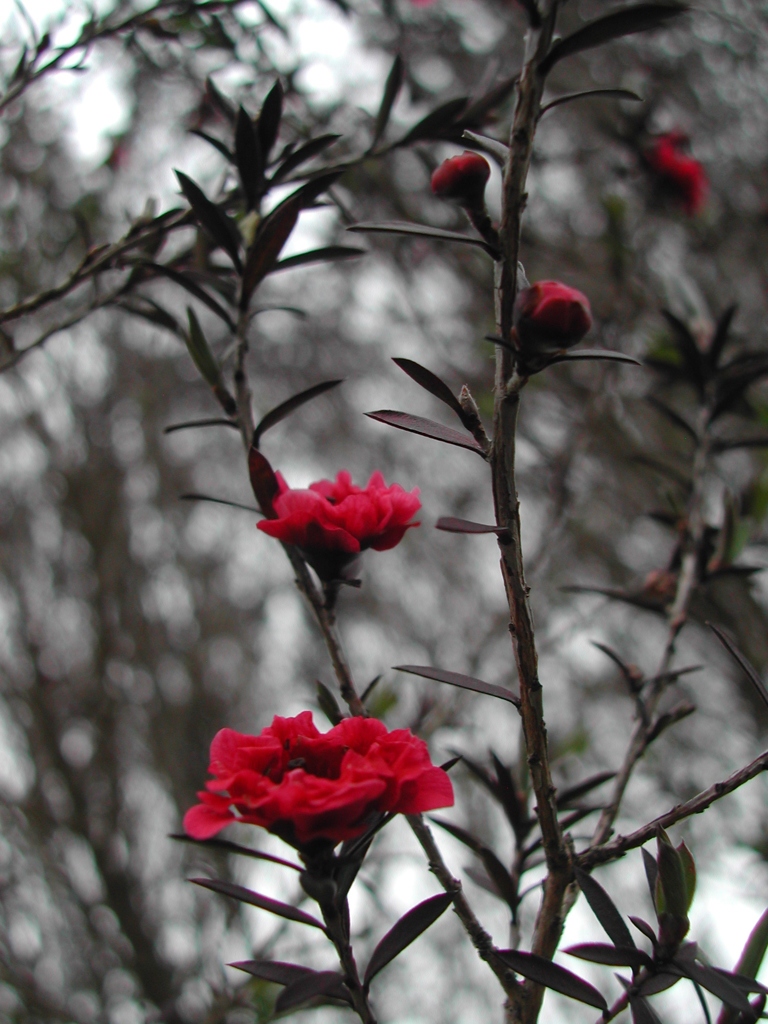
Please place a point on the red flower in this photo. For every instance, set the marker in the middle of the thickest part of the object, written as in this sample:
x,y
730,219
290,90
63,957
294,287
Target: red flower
x,y
550,315
333,521
462,179
305,785
684,175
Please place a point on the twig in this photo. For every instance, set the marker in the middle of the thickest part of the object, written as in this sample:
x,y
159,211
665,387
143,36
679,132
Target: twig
x,y
621,844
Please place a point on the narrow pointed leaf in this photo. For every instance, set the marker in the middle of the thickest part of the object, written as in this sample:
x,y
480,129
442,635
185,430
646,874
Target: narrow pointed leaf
x,y
604,909
673,416
612,956
276,971
326,254
216,143
642,1011
430,382
459,679
475,115
402,934
435,123
217,501
751,959
301,155
427,428
201,353
715,983
275,231
215,221
268,124
229,847
625,22
274,416
220,101
742,981
720,337
689,873
310,986
644,927
328,704
193,288
693,359
450,524
255,899
651,873
249,158
463,836
567,796
404,227
750,671
622,94
263,480
551,975
391,90
593,353
660,982
173,427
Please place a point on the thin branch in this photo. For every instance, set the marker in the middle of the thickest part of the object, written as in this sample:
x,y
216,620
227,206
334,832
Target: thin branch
x,y
622,844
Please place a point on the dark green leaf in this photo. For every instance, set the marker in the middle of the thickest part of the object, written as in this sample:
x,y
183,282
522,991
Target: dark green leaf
x,y
402,934
604,909
243,851
651,873
672,416
397,227
301,155
216,143
219,101
692,358
625,22
435,123
742,981
249,158
476,113
255,899
217,501
450,524
551,975
427,428
660,982
613,956
752,955
391,89
432,383
193,288
623,94
689,873
643,926
173,427
328,703
458,679
268,124
275,230
720,336
215,221
715,983
642,1011
263,480
592,353
750,671
276,971
201,353
310,986
567,796
274,416
327,254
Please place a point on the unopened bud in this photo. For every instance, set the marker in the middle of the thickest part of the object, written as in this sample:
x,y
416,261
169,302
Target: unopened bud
x,y
550,315
462,179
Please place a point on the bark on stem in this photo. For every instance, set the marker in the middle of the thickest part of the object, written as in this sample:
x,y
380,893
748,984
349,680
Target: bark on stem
x,y
523,1006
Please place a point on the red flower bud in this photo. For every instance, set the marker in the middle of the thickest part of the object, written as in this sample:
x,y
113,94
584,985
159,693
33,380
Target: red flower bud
x,y
333,521
305,785
550,315
683,175
463,180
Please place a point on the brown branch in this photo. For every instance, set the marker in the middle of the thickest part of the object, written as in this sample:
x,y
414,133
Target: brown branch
x,y
622,844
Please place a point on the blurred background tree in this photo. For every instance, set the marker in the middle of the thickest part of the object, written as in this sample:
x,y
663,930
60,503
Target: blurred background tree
x,y
134,626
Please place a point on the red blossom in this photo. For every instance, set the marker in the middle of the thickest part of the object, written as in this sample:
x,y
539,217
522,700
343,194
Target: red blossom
x,y
305,785
337,518
549,314
462,179
684,175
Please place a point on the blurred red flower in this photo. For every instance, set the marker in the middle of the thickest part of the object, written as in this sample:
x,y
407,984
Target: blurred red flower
x,y
679,171
336,518
305,785
549,314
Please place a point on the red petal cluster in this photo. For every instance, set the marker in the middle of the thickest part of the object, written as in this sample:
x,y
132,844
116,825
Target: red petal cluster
x,y
305,785
462,179
685,175
338,516
549,314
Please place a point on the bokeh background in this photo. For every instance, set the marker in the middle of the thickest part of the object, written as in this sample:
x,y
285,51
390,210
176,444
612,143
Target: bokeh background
x,y
134,625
